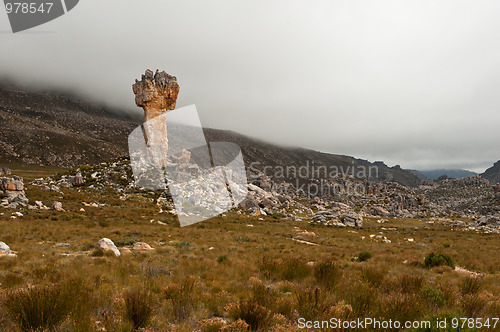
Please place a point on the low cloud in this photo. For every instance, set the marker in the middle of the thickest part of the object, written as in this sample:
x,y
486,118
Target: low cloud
x,y
409,83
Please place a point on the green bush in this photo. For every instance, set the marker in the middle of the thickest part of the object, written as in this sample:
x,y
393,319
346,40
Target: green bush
x,y
242,239
221,259
183,243
126,242
433,260
364,256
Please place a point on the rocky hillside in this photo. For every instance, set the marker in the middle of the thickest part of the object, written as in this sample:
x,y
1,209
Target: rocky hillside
x,y
492,174
51,128
450,173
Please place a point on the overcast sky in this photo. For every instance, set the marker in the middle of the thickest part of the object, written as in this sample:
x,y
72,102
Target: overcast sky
x,y
415,83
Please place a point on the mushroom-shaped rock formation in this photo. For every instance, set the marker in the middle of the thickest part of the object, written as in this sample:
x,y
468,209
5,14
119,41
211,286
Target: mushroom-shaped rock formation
x,y
156,93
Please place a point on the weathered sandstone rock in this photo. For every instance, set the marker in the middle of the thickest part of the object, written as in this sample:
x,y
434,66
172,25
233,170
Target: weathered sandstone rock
x,y
156,93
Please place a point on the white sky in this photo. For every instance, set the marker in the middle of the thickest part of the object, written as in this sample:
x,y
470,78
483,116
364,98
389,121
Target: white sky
x,y
414,83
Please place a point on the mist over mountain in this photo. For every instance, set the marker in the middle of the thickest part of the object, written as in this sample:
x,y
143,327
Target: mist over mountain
x,y
59,129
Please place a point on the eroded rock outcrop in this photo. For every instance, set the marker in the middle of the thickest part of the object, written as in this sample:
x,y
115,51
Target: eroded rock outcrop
x,y
156,93
12,192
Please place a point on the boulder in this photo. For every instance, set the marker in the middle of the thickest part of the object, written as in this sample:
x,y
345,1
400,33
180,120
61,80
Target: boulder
x,y
352,219
57,206
19,198
333,217
248,203
380,211
142,246
4,247
107,244
76,180
5,250
267,203
340,206
489,221
12,184
259,191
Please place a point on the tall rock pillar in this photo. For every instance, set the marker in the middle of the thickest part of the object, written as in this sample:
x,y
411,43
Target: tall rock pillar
x,y
156,93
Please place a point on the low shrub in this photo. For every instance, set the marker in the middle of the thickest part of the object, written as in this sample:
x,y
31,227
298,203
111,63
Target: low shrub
x,y
473,305
126,242
221,259
327,274
364,256
182,297
471,285
97,253
433,260
291,269
362,298
138,307
311,303
211,325
399,307
374,275
255,315
40,307
237,326
433,296
410,284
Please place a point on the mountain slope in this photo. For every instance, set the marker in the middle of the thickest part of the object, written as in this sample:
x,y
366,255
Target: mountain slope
x,y
51,128
492,174
451,173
